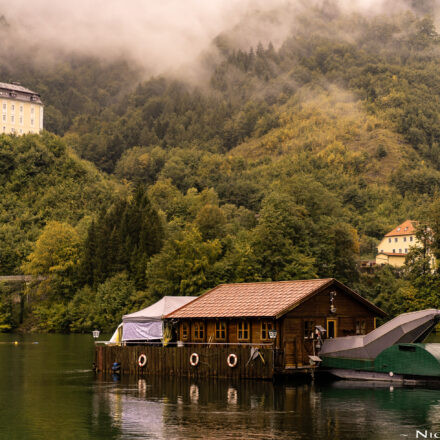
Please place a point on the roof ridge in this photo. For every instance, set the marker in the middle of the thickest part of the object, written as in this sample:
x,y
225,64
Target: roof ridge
x,y
274,282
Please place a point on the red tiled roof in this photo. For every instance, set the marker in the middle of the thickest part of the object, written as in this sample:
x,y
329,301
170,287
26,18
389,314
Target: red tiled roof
x,y
406,228
263,299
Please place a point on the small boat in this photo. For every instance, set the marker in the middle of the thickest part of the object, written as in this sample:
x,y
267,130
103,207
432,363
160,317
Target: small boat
x,y
393,352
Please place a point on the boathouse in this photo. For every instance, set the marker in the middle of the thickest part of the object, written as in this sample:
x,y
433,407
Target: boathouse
x,y
283,314
247,330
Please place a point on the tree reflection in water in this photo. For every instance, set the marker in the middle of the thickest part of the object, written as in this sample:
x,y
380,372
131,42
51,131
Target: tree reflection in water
x,y
172,408
49,392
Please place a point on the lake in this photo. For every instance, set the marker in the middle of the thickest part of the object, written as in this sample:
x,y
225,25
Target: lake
x,y
48,391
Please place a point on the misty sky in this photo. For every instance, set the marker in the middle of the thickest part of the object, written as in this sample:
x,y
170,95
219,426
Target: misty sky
x,y
159,34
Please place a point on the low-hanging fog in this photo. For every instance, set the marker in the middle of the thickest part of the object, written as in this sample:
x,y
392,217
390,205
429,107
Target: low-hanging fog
x,y
159,35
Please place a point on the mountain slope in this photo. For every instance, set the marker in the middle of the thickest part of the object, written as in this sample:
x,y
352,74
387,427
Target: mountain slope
x,y
42,180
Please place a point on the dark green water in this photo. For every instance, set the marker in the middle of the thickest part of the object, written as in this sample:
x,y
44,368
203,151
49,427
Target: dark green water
x,y
47,391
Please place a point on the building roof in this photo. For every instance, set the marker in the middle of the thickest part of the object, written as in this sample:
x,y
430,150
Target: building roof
x,y
406,228
16,87
18,92
263,299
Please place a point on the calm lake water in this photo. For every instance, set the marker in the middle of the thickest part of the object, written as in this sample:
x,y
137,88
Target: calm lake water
x,y
48,391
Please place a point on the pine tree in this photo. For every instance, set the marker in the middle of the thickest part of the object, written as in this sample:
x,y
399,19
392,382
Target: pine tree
x,y
123,239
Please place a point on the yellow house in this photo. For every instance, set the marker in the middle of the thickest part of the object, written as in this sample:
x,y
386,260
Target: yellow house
x,y
396,244
21,110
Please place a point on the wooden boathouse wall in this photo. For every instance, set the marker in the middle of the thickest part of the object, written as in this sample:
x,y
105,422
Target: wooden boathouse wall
x,y
175,361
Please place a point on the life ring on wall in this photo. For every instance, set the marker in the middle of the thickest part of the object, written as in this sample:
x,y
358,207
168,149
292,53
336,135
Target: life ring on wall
x,y
194,359
232,360
142,360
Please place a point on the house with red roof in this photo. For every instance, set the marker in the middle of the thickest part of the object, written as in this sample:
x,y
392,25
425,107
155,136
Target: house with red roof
x,y
283,315
396,244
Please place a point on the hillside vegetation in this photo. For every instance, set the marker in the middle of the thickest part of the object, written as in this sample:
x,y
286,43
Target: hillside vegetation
x,y
42,180
289,163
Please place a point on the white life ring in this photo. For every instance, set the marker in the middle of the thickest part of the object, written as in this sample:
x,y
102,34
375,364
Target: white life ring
x,y
232,360
142,360
194,359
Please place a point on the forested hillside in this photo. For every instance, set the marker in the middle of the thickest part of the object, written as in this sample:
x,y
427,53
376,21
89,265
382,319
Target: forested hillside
x,y
287,162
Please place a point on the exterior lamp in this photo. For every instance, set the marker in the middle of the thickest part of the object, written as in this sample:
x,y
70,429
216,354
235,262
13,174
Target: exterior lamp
x,y
332,298
95,334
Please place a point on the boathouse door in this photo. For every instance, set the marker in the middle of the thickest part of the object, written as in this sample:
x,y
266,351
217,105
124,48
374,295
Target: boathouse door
x,y
332,328
289,354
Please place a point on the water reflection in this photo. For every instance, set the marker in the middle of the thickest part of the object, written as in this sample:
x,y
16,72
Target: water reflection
x,y
183,409
48,392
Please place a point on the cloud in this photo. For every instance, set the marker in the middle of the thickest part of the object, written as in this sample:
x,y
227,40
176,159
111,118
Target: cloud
x,y
158,34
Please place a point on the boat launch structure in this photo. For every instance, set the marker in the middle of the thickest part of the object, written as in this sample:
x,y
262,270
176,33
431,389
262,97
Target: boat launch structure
x,y
393,350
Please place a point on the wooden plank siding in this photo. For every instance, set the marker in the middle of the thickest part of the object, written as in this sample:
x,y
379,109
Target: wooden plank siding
x,y
175,361
317,309
231,330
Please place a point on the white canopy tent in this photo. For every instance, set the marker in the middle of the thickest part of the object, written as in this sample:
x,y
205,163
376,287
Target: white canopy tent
x,y
146,324
117,335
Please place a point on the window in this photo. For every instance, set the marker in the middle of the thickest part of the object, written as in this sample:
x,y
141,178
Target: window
x,y
394,251
410,239
12,130
12,107
404,238
4,129
4,118
184,331
395,240
21,120
4,107
309,327
382,250
389,240
21,109
265,327
32,122
361,326
400,251
12,119
220,330
32,110
199,331
406,251
243,331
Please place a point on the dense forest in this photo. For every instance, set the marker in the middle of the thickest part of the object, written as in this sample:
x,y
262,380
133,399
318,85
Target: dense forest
x,y
285,163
